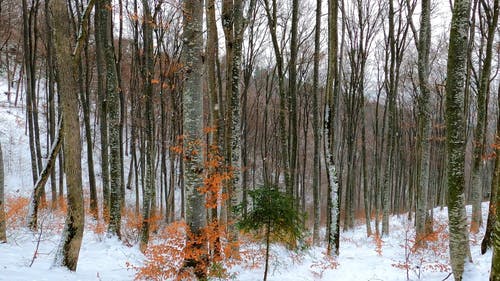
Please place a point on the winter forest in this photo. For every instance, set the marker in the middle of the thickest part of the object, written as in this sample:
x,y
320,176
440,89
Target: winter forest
x,y
249,140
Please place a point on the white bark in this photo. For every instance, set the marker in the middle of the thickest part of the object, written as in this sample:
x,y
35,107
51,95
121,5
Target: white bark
x,y
333,189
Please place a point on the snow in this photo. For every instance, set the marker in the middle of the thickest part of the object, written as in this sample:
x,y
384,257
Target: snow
x,y
359,259
99,260
103,258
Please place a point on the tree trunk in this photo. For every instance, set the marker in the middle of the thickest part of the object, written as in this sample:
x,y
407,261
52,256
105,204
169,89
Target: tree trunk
x,y
391,130
232,11
495,261
292,99
27,50
100,38
481,125
272,19
29,66
268,246
193,126
42,180
456,71
366,193
3,235
316,127
113,110
215,113
494,203
424,129
71,239
85,105
332,88
147,72
51,96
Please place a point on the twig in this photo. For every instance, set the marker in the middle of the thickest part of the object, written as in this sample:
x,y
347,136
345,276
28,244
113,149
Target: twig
x,y
35,254
447,276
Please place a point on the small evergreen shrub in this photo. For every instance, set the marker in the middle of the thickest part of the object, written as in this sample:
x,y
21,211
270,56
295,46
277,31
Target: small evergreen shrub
x,y
274,218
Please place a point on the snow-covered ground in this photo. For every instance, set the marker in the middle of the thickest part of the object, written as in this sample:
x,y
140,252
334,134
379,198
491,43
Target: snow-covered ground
x,y
29,256
99,259
104,258
360,260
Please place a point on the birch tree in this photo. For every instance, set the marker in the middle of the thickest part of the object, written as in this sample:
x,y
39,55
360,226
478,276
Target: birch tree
x,y
332,88
456,72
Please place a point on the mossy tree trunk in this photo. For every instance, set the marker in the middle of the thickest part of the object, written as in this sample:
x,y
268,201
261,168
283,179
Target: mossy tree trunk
x,y
424,121
455,125
495,205
232,13
113,111
193,125
147,75
100,40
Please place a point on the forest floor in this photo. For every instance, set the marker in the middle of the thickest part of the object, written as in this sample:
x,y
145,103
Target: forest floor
x,y
29,255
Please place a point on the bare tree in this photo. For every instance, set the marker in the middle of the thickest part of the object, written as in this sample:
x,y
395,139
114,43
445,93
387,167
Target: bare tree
x,y
316,126
271,10
71,239
113,110
147,75
332,90
424,122
486,243
479,141
100,40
